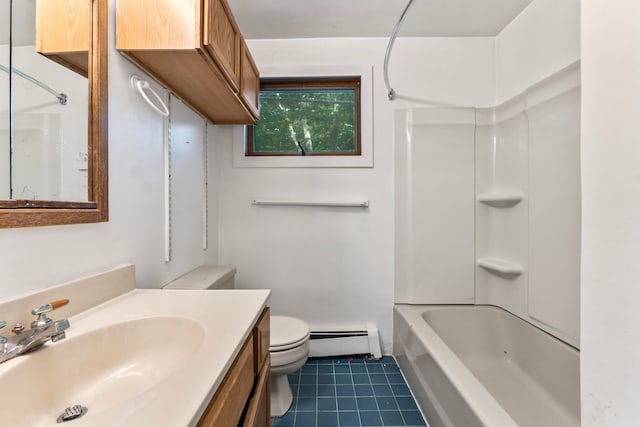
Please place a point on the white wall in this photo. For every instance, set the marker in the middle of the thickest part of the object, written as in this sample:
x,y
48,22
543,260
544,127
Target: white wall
x,y
334,266
542,40
610,358
35,258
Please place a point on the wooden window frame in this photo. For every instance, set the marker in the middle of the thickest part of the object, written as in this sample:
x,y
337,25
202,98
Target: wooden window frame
x,y
343,82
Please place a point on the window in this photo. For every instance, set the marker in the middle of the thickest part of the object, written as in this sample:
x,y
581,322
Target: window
x,y
307,117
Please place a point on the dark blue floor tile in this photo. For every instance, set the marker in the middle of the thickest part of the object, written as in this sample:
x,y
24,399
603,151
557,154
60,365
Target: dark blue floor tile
x,y
363,390
375,369
326,390
341,369
392,418
306,404
326,379
349,419
361,379
370,418
343,379
378,379
327,419
307,390
358,368
390,368
350,392
308,379
347,404
395,378
382,390
413,418
305,419
388,359
345,390
406,402
325,369
400,390
328,404
309,369
386,403
367,403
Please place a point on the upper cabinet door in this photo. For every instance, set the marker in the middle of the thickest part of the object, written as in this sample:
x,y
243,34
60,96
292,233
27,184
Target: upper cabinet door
x,y
158,24
222,39
63,32
250,80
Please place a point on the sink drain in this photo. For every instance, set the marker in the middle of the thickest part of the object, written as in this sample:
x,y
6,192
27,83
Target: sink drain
x,y
71,413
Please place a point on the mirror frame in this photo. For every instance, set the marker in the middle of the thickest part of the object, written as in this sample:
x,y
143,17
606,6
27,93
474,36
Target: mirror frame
x,y
34,213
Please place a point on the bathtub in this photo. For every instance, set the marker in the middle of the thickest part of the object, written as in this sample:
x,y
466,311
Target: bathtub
x,y
482,366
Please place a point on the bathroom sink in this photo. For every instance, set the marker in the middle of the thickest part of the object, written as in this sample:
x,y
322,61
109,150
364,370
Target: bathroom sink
x,y
100,369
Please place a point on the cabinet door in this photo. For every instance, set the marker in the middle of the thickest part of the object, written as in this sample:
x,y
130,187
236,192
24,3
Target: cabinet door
x,y
250,80
258,411
222,40
227,405
63,32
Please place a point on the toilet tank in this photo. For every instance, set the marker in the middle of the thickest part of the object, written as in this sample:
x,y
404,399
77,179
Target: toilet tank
x,y
205,277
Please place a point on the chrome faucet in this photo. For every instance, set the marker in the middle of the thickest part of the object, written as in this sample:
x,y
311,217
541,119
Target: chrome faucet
x,y
42,330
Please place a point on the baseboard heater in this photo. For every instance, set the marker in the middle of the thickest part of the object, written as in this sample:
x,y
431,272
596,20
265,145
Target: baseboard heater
x,y
326,343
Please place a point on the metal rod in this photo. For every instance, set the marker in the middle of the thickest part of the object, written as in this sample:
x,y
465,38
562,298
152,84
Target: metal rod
x,y
390,92
62,98
354,204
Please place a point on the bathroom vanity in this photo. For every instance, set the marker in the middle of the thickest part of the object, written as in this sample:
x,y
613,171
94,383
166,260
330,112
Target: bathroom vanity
x,y
137,357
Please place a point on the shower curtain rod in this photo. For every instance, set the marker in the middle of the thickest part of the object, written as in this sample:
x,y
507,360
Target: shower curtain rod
x,y
62,98
390,92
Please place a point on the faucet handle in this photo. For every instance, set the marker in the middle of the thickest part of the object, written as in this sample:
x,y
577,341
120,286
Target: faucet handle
x,y
42,311
2,324
53,305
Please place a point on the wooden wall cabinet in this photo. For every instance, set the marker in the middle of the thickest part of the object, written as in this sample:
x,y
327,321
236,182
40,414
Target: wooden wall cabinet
x,y
194,48
243,397
63,32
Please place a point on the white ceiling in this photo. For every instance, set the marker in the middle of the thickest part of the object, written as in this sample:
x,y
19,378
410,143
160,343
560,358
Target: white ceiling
x,y
267,19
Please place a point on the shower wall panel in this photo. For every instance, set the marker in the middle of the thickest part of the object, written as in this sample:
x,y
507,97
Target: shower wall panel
x,y
434,206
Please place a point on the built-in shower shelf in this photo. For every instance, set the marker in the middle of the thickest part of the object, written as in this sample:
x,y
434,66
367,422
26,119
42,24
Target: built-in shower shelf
x,y
501,266
501,199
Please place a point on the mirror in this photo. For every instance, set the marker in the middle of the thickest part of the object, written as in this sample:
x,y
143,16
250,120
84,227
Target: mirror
x,y
53,115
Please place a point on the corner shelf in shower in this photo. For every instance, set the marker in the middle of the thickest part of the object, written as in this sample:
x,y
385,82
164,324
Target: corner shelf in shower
x,y
501,199
501,266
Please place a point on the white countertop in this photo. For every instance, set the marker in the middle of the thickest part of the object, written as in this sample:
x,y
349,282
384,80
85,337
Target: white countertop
x,y
179,398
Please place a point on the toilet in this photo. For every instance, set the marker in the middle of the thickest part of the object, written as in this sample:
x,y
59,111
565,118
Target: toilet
x,y
289,340
289,350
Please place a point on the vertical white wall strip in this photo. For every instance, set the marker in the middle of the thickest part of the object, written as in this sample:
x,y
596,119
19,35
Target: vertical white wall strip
x,y
167,181
205,186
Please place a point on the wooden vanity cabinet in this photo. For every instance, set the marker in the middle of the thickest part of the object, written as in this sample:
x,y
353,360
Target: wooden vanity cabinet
x,y
243,397
63,32
195,49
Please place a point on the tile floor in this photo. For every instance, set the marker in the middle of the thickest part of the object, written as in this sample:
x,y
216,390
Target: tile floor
x,y
350,392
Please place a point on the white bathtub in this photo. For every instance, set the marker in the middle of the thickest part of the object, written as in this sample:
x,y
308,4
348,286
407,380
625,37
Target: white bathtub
x,y
482,366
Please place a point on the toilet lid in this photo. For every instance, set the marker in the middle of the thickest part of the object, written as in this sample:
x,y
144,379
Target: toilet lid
x,y
287,332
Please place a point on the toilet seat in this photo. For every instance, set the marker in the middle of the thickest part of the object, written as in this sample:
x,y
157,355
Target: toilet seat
x,y
287,333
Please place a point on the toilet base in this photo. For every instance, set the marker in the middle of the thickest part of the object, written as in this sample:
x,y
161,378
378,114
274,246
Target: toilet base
x,y
281,396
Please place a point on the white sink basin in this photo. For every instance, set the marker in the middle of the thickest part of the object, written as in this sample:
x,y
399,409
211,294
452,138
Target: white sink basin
x,y
133,357
99,369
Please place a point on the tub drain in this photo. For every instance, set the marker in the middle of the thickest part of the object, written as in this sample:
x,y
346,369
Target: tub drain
x,y
71,413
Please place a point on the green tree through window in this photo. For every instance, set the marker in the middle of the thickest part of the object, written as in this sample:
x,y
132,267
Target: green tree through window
x,y
307,117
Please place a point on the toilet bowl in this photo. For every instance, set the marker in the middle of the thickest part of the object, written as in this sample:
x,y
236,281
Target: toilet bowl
x,y
289,350
289,340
